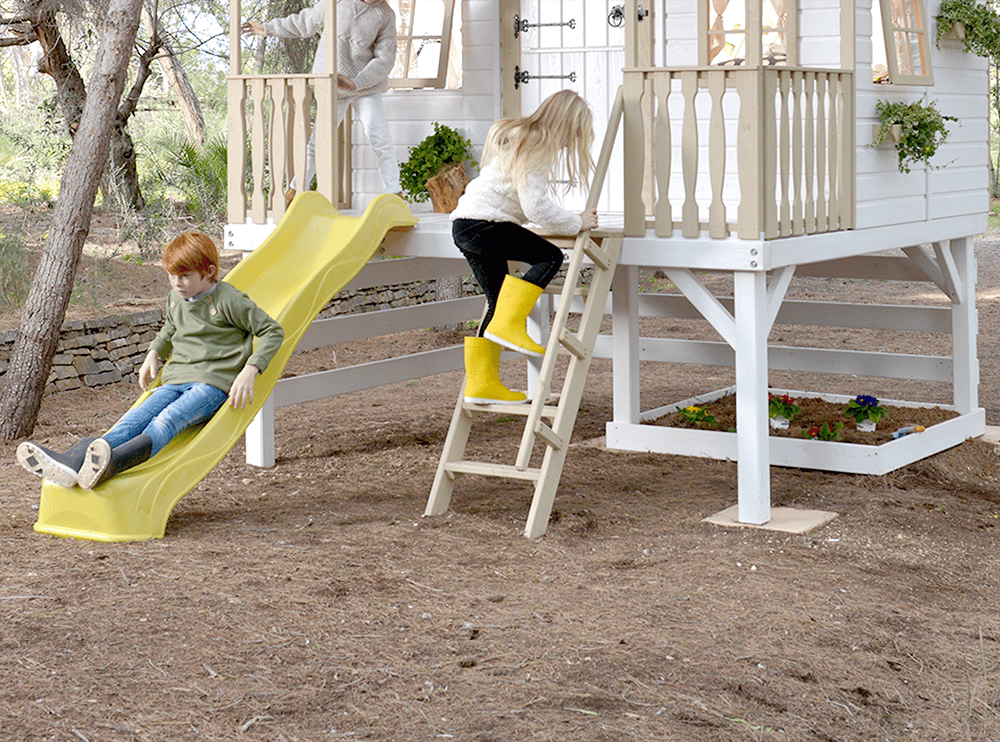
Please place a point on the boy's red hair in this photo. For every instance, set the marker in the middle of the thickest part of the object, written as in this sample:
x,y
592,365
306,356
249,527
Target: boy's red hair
x,y
189,252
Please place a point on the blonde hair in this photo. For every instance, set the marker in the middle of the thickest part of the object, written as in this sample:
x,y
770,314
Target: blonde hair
x,y
560,130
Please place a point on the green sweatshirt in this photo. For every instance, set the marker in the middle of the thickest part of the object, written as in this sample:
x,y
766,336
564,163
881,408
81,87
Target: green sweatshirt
x,y
211,338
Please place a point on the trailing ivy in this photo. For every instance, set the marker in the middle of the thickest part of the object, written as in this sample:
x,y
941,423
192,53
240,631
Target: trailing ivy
x,y
923,130
982,26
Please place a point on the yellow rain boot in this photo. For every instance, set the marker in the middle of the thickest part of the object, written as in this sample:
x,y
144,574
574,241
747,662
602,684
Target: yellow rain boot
x,y
482,374
516,300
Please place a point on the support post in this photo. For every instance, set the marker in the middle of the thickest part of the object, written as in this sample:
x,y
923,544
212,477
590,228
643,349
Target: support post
x,y
625,344
259,437
753,447
964,328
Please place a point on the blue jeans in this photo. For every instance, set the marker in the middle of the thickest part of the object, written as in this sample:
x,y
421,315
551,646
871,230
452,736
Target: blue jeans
x,y
166,412
489,245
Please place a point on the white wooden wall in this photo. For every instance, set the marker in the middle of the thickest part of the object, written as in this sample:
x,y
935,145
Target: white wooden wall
x,y
471,109
886,197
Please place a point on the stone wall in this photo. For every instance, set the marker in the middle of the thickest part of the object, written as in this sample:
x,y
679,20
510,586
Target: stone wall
x,y
96,352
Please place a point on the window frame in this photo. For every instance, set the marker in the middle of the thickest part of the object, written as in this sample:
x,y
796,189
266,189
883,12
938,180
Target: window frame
x,y
444,38
889,30
754,48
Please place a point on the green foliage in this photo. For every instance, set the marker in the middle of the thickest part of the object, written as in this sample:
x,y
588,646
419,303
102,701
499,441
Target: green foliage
x,y
923,130
444,147
982,26
865,407
15,273
782,406
824,432
698,416
201,176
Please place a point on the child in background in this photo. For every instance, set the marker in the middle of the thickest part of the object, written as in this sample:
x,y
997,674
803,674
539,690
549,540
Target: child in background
x,y
208,335
522,159
366,53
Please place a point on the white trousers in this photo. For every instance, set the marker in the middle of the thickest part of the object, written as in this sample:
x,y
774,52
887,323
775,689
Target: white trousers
x,y
371,114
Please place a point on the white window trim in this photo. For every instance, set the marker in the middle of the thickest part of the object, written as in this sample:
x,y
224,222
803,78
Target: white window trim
x,y
923,36
410,42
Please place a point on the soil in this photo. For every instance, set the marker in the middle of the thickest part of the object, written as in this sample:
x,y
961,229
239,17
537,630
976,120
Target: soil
x,y
312,601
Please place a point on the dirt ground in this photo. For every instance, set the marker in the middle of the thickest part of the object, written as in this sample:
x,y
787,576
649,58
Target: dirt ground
x,y
312,601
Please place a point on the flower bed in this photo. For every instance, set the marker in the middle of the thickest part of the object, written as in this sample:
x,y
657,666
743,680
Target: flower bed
x,y
813,413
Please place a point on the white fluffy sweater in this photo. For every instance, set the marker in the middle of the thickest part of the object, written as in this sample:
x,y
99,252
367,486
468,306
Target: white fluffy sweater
x,y
366,42
493,197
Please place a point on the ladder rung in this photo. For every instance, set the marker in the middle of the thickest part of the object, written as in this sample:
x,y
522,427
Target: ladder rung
x,y
509,409
487,469
597,254
550,437
558,288
573,344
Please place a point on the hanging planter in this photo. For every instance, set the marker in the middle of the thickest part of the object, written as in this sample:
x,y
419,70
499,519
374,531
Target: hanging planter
x,y
973,23
921,130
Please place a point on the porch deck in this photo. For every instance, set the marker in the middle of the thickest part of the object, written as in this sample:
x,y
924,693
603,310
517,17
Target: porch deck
x,y
937,252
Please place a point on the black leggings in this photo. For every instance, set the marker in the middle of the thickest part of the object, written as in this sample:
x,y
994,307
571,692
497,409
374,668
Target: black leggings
x,y
489,245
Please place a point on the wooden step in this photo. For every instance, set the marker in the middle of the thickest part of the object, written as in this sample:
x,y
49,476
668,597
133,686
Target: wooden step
x,y
487,469
523,409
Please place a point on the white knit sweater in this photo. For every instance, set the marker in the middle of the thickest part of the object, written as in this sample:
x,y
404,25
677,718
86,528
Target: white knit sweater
x,y
493,197
366,42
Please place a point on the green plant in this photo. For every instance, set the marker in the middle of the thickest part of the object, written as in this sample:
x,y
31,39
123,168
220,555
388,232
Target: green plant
x,y
15,273
982,26
824,432
201,175
922,130
442,148
697,416
782,406
864,407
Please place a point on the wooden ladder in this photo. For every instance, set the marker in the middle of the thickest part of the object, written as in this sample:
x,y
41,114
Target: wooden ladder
x,y
578,346
602,253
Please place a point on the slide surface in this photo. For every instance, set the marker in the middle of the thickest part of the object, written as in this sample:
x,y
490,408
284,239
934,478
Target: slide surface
x,y
311,255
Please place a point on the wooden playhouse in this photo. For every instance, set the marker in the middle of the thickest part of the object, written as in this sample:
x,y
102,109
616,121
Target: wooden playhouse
x,y
745,130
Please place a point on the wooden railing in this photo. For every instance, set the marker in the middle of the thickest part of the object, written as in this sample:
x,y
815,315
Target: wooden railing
x,y
763,152
271,118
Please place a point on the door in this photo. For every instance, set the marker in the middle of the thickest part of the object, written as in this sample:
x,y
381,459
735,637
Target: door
x,y
573,44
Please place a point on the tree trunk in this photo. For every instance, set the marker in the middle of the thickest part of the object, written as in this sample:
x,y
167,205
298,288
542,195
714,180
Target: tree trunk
x,y
45,308
176,77
57,63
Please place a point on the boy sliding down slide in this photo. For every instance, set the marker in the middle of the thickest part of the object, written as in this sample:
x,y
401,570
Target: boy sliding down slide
x,y
208,335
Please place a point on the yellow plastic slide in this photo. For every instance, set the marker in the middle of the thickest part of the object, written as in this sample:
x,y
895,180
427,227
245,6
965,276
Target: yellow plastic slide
x,y
311,255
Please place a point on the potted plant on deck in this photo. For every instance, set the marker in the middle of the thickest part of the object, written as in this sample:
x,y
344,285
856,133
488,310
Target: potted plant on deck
x,y
917,129
436,169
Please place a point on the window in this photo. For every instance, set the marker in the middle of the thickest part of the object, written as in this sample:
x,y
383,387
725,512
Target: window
x,y
428,54
728,25
903,26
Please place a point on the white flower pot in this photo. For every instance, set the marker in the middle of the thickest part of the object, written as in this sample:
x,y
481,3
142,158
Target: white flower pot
x,y
866,426
779,423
